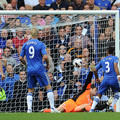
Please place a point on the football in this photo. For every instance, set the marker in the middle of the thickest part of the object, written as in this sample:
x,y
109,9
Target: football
x,y
77,62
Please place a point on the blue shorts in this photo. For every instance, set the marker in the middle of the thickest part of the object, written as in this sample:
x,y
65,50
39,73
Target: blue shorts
x,y
107,83
42,78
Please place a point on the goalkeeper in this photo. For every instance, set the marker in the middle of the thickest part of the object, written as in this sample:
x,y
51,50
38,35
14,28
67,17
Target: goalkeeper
x,y
83,101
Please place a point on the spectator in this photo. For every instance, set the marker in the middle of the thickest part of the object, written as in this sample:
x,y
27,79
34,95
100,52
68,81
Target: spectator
x,y
14,4
92,6
34,22
63,18
68,31
17,55
67,58
48,20
111,24
17,23
2,76
51,64
48,2
27,34
7,56
60,55
19,93
20,3
86,55
40,20
86,7
76,51
62,91
102,45
49,38
114,7
10,44
103,4
78,34
82,72
1,23
58,74
108,33
25,20
117,3
8,7
3,38
3,4
78,5
54,18
8,83
41,6
19,67
70,7
41,35
29,4
10,22
61,39
19,39
59,4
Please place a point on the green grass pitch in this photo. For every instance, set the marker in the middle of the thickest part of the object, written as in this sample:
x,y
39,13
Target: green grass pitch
x,y
61,116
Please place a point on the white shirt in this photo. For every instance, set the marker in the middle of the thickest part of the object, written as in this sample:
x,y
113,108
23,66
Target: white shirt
x,y
117,1
31,2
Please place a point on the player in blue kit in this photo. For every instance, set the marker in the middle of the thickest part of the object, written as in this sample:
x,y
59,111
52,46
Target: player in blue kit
x,y
35,52
109,65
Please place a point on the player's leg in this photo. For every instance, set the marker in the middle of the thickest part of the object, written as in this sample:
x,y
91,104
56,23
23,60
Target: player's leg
x,y
103,88
43,80
49,110
29,100
31,84
115,87
82,108
50,96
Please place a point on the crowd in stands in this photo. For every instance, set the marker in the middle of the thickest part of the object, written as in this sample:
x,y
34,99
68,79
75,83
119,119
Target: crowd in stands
x,y
66,37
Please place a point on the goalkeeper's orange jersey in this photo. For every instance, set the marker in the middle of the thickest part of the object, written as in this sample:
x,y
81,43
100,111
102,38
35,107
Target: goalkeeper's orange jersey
x,y
84,98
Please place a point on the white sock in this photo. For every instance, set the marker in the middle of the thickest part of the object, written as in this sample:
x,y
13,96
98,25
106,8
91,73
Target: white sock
x,y
50,97
116,97
29,100
95,102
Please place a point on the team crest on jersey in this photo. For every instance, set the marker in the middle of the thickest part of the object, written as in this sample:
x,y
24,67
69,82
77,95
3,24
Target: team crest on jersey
x,y
98,3
26,21
106,4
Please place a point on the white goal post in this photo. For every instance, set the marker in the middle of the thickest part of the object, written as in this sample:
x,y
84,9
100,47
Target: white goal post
x,y
78,12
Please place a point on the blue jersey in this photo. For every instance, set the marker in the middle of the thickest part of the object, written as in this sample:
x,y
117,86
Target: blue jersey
x,y
107,65
103,4
34,51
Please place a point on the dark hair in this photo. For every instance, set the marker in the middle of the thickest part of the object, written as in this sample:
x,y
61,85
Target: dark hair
x,y
5,48
93,86
110,50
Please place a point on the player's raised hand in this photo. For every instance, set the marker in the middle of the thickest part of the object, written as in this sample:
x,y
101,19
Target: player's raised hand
x,y
98,81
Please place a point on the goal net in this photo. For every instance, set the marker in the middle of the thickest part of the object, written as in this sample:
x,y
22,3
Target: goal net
x,y
67,35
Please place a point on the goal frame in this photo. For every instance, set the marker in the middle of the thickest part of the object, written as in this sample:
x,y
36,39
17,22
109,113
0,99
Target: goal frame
x,y
87,12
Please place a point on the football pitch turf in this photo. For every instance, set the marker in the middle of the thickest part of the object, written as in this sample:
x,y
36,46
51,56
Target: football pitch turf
x,y
61,116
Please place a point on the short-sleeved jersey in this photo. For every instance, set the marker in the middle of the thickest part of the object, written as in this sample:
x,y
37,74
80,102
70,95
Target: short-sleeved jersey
x,y
34,51
107,65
